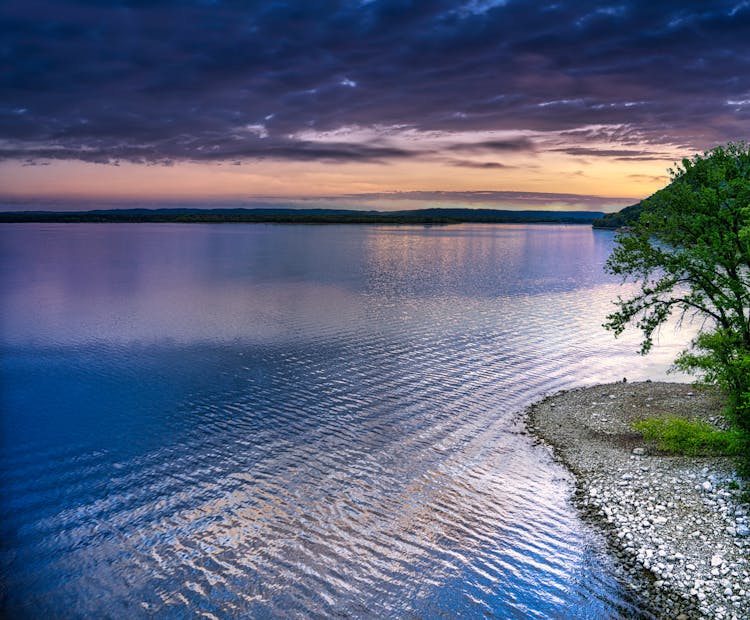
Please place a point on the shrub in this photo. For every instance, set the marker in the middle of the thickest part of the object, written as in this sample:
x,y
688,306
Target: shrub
x,y
691,437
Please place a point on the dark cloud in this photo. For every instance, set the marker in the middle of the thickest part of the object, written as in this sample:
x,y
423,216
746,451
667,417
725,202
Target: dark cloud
x,y
616,153
495,198
517,145
643,158
169,80
214,150
651,178
467,163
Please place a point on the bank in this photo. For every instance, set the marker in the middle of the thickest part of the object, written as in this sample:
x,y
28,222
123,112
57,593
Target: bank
x,y
676,524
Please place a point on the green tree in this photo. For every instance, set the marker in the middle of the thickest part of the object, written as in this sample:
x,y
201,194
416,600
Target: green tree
x,y
690,252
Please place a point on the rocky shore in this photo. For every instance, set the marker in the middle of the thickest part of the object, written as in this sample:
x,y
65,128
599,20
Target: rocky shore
x,y
677,524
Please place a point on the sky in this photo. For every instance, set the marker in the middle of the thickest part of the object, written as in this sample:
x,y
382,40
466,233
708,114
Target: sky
x,y
363,103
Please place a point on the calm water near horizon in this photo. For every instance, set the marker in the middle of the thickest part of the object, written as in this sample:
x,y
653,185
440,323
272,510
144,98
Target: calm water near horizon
x,y
294,421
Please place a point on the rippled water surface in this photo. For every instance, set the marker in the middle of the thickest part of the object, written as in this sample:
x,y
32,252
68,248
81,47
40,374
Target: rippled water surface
x,y
298,421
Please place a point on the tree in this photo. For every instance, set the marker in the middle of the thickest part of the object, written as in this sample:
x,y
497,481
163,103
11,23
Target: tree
x,y
690,252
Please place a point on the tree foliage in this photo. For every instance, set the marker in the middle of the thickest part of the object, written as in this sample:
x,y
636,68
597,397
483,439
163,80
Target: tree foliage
x,y
623,217
690,252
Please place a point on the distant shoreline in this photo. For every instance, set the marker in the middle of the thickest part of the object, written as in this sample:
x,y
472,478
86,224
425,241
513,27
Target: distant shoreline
x,y
302,216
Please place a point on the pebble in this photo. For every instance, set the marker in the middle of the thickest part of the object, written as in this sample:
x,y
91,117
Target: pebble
x,y
694,562
680,520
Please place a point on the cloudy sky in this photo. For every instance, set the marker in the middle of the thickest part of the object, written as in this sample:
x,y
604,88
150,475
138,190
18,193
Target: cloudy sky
x,y
383,103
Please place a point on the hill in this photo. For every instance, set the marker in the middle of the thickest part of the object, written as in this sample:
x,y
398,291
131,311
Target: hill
x,y
304,216
623,217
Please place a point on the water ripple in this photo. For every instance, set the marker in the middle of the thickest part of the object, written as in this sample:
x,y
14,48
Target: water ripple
x,y
360,459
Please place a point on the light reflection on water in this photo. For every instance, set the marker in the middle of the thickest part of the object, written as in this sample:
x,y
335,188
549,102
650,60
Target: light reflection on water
x,y
298,421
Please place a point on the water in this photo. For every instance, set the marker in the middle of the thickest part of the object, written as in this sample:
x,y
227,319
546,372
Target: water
x,y
298,421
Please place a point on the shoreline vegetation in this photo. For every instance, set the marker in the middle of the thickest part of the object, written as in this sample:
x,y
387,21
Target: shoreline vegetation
x,y
677,525
620,219
304,216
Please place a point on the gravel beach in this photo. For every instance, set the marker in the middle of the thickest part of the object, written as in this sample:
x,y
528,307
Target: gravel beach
x,y
676,524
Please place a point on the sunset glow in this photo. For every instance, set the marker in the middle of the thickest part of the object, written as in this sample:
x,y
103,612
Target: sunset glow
x,y
357,103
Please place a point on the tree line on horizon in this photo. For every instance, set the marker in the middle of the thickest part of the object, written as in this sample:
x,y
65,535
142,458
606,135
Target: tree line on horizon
x,y
304,216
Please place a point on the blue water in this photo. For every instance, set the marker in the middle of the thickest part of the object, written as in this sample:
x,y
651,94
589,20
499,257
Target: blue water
x,y
298,421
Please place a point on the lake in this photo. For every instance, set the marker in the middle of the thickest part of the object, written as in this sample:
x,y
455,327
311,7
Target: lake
x,y
299,421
